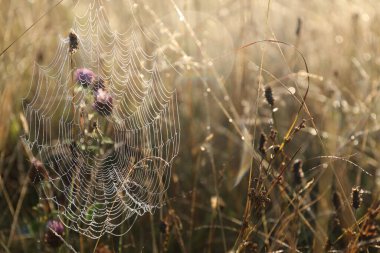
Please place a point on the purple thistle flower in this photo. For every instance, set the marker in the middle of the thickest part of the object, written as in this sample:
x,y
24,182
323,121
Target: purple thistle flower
x,y
103,102
51,237
84,77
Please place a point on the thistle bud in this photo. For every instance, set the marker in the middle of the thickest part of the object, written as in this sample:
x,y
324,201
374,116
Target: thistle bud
x,y
98,84
84,77
103,102
73,43
54,229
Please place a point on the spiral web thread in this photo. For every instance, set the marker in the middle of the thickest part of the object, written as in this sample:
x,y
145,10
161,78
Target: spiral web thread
x,y
102,191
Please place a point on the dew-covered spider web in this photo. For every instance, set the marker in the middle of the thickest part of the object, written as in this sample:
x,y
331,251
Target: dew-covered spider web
x,y
104,126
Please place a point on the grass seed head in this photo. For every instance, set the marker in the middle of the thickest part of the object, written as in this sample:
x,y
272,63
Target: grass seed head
x,y
299,26
269,96
273,135
298,172
262,142
356,197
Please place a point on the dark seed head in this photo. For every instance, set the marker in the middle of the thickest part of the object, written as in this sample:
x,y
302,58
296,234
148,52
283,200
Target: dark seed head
x,y
299,26
337,200
103,102
269,96
300,126
298,172
262,142
54,229
162,226
356,197
84,77
273,135
73,43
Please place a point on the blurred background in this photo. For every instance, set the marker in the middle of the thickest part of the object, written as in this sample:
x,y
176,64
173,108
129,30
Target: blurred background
x,y
226,67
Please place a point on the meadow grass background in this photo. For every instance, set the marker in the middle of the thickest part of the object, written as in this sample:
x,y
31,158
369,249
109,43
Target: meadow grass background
x,y
340,41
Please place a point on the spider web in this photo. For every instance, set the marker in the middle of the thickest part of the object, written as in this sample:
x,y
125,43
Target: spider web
x,y
104,166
